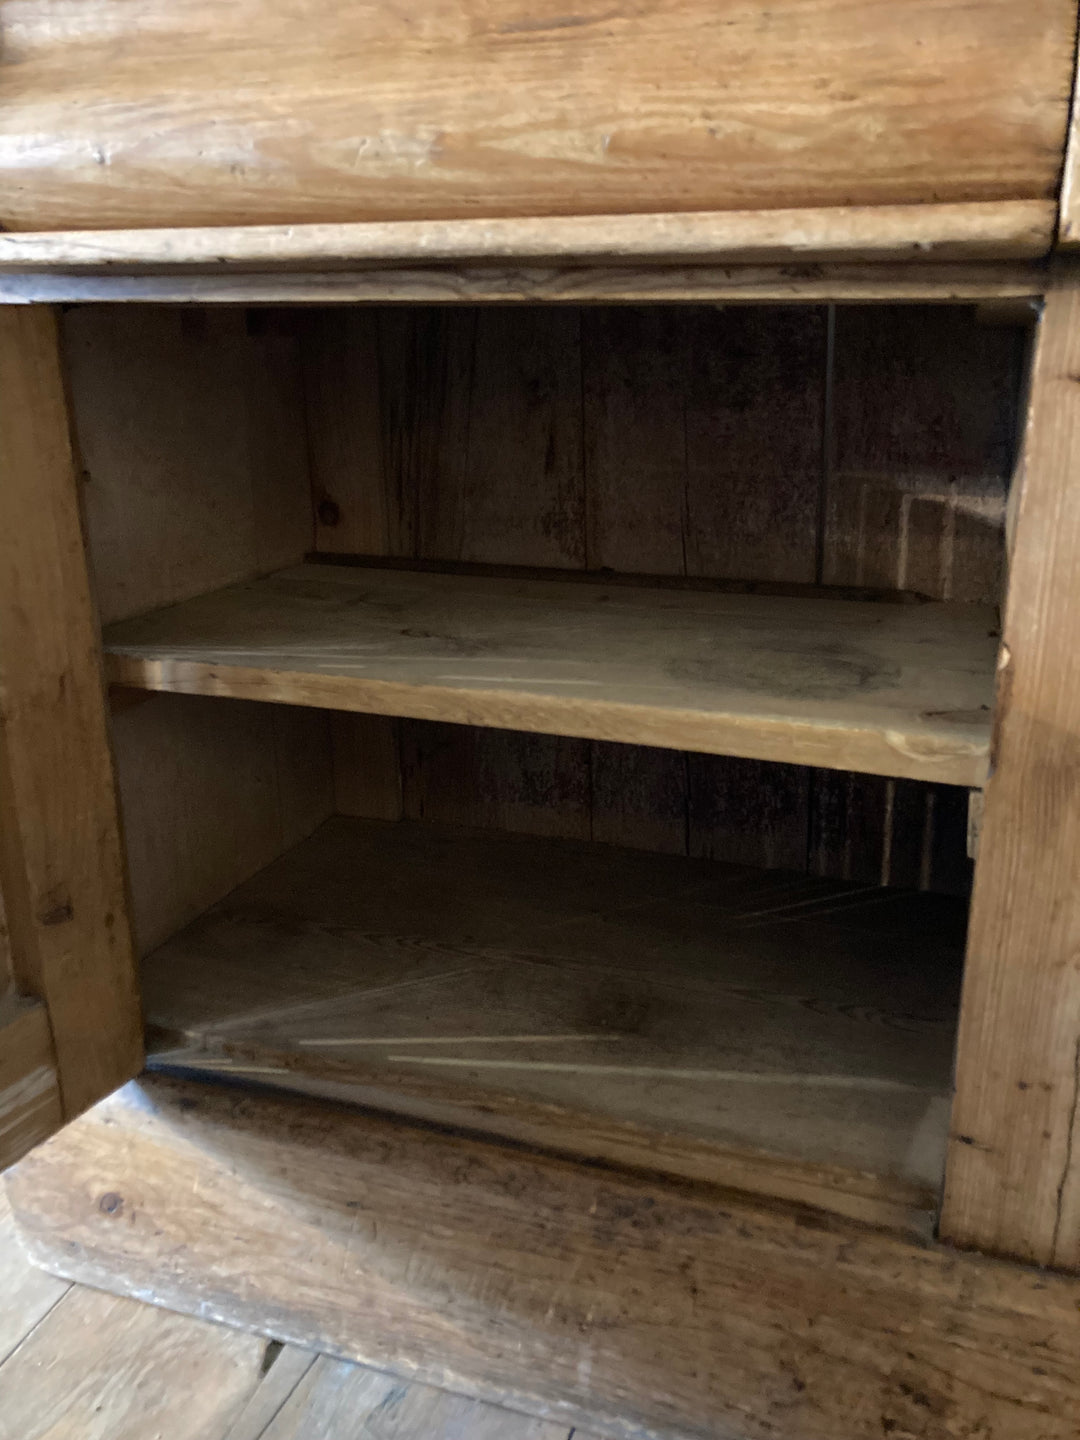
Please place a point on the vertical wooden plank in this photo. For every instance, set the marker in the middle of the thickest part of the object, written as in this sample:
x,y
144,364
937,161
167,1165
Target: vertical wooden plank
x,y
639,796
30,1109
748,811
1013,1180
277,442
367,766
513,492
634,362
357,507
924,431
755,413
497,779
61,866
925,403
212,790
158,400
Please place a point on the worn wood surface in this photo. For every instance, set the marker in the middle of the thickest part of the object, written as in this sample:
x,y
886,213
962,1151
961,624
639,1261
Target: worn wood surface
x,y
29,1293
136,1376
580,1294
778,1033
211,791
545,285
1001,230
61,867
190,429
899,690
370,114
778,444
1014,1169
118,1370
29,1090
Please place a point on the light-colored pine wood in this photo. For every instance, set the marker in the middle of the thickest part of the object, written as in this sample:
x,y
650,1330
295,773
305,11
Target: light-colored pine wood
x,y
574,1293
61,867
1068,235
190,432
544,285
997,231
209,794
190,428
335,1400
780,1034
119,1370
285,1374
1014,1169
29,1090
899,690
28,1293
369,114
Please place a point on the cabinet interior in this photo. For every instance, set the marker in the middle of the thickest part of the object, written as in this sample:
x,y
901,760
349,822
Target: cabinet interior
x,y
464,666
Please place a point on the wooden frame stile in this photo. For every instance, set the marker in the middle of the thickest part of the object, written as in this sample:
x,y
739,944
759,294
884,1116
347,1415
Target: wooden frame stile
x,y
61,865
1013,1178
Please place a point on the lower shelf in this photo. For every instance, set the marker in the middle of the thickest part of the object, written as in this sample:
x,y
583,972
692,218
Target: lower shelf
x,y
772,1032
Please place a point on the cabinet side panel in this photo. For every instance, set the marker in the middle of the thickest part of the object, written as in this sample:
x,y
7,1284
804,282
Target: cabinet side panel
x,y
190,428
1013,1181
61,865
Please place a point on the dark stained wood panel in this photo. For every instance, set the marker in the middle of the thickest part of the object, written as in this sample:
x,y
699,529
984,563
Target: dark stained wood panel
x,y
194,113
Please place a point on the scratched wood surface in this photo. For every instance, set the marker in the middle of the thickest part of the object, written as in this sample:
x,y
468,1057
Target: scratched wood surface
x,y
120,115
582,1293
75,1365
900,690
774,1031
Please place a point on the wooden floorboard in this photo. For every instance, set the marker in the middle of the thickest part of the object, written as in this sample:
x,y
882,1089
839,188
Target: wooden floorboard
x,y
76,1364
891,689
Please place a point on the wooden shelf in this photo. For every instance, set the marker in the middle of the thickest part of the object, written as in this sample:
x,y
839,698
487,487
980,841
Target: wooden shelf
x,y
778,1033
892,689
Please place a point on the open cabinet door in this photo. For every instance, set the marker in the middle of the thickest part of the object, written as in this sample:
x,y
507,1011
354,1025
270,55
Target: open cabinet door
x,y
70,1029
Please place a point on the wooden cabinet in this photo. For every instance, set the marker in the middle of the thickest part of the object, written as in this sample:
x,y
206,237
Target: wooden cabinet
x,y
504,721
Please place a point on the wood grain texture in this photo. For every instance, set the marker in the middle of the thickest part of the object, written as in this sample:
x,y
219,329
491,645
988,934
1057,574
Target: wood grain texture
x,y
892,689
1001,230
545,285
369,114
1013,1180
1068,230
29,1090
645,1009
29,1293
335,1399
210,792
579,1295
190,427
190,430
733,442
923,446
119,1370
61,866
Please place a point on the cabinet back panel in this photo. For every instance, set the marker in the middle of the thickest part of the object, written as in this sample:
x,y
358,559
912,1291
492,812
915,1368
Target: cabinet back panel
x,y
856,445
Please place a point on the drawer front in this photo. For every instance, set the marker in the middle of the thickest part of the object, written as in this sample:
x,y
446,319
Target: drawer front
x,y
183,112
